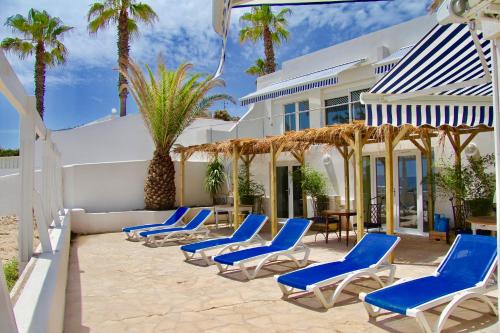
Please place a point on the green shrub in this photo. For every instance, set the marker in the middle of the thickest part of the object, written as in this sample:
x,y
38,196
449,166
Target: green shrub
x,y
11,271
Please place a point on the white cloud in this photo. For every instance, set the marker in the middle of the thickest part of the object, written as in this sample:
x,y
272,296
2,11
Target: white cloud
x,y
182,33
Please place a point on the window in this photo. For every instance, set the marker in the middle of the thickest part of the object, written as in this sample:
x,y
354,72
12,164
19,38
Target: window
x,y
337,110
358,109
290,117
293,117
342,110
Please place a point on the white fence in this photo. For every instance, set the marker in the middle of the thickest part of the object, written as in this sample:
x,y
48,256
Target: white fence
x,y
10,162
46,206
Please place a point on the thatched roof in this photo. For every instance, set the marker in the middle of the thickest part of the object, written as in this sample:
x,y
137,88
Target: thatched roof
x,y
335,135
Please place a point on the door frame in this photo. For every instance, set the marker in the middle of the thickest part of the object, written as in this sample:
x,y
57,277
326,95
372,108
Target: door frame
x,y
420,203
289,165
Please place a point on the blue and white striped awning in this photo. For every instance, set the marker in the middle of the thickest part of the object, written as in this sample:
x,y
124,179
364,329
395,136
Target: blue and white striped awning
x,y
444,80
320,79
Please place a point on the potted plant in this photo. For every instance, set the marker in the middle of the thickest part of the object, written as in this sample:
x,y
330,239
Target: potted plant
x,y
314,184
472,184
214,178
480,184
248,188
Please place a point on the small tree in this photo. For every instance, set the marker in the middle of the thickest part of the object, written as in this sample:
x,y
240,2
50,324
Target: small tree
x,y
313,183
222,115
214,178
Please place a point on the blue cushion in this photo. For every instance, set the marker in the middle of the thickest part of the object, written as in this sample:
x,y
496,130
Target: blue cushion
x,y
291,233
245,232
468,263
198,220
231,258
192,248
470,258
252,223
369,251
171,220
305,277
407,295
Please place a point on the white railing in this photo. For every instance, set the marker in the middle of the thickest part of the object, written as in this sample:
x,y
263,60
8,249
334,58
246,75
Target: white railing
x,y
9,162
46,205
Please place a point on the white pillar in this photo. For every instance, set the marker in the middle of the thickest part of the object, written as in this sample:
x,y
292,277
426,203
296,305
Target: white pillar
x,y
496,104
26,171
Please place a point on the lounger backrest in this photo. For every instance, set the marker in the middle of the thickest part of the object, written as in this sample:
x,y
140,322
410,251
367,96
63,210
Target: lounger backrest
x,y
176,216
291,233
249,227
199,219
470,259
371,249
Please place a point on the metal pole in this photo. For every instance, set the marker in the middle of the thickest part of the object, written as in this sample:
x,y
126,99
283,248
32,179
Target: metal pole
x,y
496,105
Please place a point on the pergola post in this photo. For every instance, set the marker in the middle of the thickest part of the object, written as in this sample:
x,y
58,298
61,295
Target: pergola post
x,y
389,183
347,181
236,194
430,180
358,156
183,176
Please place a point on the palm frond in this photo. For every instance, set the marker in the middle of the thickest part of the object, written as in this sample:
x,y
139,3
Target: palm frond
x,y
143,12
169,100
102,21
17,45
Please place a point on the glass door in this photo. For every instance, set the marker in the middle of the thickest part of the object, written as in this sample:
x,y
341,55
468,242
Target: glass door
x,y
409,192
282,190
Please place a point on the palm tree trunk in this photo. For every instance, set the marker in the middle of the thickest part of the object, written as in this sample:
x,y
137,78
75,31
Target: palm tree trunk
x,y
159,190
270,65
40,69
123,56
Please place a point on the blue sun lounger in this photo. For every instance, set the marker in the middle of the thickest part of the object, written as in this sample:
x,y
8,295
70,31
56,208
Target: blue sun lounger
x,y
246,234
192,228
466,272
287,242
366,259
172,221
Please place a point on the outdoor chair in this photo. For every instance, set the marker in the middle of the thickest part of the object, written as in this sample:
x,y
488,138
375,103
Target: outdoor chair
x,y
288,242
319,221
173,220
246,234
366,259
191,229
374,216
467,272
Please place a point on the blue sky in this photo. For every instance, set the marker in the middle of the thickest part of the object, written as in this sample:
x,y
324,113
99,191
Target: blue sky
x,y
84,89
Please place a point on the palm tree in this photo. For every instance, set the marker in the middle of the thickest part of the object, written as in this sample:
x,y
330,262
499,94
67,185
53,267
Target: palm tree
x,y
259,69
126,14
41,34
168,101
268,26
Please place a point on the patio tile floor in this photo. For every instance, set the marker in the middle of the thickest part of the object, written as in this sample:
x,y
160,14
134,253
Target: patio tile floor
x,y
120,286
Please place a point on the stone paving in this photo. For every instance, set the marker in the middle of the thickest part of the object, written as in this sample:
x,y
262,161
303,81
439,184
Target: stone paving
x,y
119,286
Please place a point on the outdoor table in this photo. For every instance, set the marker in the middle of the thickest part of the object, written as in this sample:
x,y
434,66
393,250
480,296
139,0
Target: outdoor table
x,y
482,223
340,213
229,209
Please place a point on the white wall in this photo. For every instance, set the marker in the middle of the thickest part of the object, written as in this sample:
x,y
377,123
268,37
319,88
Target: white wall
x,y
121,139
115,187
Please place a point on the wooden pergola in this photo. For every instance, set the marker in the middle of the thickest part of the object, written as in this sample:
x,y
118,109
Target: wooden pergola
x,y
349,140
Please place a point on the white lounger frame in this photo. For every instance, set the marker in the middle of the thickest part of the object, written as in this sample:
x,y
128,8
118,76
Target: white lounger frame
x,y
134,234
371,272
454,299
231,247
297,248
152,240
